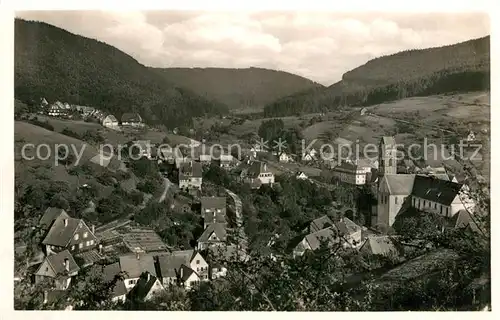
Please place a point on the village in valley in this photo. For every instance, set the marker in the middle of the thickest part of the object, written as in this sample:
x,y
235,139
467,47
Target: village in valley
x,y
257,210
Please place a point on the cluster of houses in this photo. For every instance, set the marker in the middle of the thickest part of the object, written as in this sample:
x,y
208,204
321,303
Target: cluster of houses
x,y
69,245
65,110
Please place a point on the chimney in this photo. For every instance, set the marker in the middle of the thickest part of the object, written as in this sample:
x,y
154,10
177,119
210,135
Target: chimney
x,y
93,229
148,276
45,296
65,222
100,248
265,166
182,272
137,256
66,264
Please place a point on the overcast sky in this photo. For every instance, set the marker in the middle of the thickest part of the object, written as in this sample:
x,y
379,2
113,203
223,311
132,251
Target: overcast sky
x,y
319,46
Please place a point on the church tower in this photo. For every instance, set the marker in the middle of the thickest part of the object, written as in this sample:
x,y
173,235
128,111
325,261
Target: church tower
x,y
387,163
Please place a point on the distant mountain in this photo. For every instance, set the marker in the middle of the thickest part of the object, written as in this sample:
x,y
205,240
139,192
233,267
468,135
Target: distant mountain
x,y
53,63
460,67
238,88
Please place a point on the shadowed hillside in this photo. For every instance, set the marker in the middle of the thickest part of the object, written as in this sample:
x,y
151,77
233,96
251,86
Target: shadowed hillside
x,y
462,67
248,88
53,63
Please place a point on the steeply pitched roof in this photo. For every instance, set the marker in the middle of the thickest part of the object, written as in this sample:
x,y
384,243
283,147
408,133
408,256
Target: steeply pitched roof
x,y
213,203
463,219
57,262
51,214
399,184
111,117
59,234
131,117
192,169
320,223
256,168
217,228
214,217
435,190
328,234
134,267
169,265
143,287
347,227
381,245
186,272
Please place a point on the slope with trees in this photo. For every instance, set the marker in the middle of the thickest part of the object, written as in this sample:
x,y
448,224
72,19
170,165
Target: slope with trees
x,y
461,67
248,88
53,63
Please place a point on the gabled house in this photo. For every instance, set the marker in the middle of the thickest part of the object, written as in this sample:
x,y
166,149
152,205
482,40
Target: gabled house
x,y
132,120
282,157
186,267
69,233
345,228
381,245
213,210
259,171
168,269
355,173
313,240
190,176
471,136
58,269
133,265
146,288
195,261
57,109
301,176
188,277
214,234
110,122
309,155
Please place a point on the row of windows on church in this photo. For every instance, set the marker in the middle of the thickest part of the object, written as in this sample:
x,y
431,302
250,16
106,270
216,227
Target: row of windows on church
x,y
429,204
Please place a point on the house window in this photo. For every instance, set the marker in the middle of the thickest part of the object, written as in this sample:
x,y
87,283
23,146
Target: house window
x,y
435,205
76,236
446,211
441,209
396,200
198,269
386,199
197,261
80,245
85,234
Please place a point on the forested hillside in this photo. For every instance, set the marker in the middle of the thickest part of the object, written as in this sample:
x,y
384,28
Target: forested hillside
x,y
456,68
247,88
53,63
